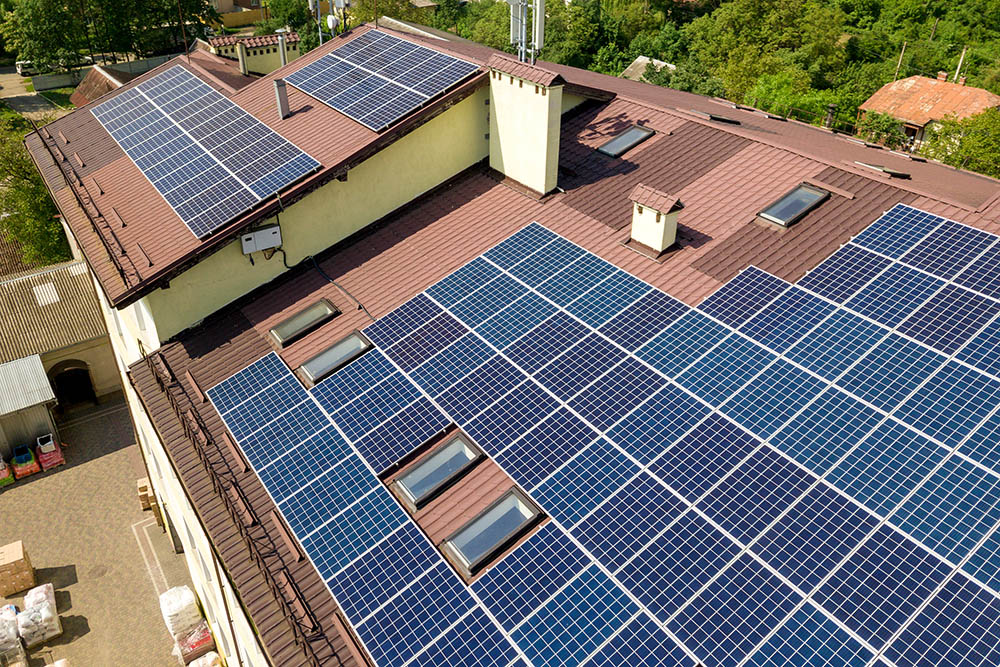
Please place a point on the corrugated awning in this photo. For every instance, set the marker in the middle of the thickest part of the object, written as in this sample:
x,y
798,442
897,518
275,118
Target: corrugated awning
x,y
23,383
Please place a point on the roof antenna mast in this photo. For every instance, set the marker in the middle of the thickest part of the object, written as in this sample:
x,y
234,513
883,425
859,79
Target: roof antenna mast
x,y
180,17
519,28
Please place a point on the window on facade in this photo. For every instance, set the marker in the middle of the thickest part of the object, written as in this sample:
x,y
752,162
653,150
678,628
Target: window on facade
x,y
304,321
492,530
439,468
340,353
628,139
794,205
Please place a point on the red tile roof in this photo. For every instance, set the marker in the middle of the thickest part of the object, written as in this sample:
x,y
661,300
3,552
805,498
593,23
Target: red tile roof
x,y
643,195
918,100
252,41
526,71
98,82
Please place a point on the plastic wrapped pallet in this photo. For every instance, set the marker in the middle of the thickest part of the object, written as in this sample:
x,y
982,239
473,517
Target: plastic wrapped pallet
x,y
39,594
14,656
38,624
210,659
195,642
8,633
180,610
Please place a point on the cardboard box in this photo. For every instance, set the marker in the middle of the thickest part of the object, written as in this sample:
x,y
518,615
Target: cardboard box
x,y
14,559
142,487
15,583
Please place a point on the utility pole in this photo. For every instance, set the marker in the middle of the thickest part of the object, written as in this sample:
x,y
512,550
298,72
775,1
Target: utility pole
x,y
900,62
960,61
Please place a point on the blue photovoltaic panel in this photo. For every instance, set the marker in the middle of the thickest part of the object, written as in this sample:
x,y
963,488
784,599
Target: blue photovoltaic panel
x,y
554,257
886,466
950,318
682,343
312,505
579,366
897,231
890,372
719,375
584,482
983,350
658,423
511,416
810,639
704,456
479,389
247,383
402,321
252,415
207,157
984,564
948,249
515,320
738,300
676,564
426,341
546,341
376,78
787,319
284,474
983,275
488,300
881,584
982,445
375,406
643,319
401,434
452,364
734,613
755,493
608,298
628,521
545,447
513,249
641,643
353,380
772,398
843,273
894,295
530,575
575,279
576,621
474,641
283,433
836,343
613,395
463,282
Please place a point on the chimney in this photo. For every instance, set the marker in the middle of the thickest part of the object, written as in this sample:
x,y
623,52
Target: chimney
x,y
961,80
241,50
281,49
654,217
281,94
942,76
525,111
831,110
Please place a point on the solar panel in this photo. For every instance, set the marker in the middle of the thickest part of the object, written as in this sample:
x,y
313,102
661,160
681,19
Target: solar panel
x,y
207,157
377,78
743,506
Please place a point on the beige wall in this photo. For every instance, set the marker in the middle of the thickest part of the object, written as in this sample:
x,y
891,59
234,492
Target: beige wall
x,y
414,164
100,360
262,60
524,131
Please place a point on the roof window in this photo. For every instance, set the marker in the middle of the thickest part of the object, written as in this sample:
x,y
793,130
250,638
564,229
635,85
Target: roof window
x,y
437,470
713,116
882,168
628,139
792,206
492,530
337,355
303,322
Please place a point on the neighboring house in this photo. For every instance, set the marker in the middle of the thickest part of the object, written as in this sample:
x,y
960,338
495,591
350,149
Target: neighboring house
x,y
637,69
262,55
918,102
299,552
99,81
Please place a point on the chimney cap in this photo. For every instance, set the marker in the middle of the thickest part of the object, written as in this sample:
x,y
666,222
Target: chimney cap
x,y
961,80
659,201
942,76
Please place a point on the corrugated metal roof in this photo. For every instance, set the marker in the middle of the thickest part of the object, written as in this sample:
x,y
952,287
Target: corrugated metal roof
x,y
48,309
23,383
920,99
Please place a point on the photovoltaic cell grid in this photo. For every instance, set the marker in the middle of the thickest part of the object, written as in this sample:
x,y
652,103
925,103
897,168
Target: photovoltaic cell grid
x,y
376,78
655,493
207,157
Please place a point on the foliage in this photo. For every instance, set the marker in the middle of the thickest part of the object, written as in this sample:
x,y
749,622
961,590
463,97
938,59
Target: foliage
x,y
31,218
882,129
292,14
59,96
972,143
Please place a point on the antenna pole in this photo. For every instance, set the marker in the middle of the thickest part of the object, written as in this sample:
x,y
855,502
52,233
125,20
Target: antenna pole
x,y
960,61
900,62
180,17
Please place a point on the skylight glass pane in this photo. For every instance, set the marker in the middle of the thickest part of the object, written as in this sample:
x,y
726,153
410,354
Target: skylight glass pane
x,y
624,141
443,465
334,357
493,528
794,205
303,322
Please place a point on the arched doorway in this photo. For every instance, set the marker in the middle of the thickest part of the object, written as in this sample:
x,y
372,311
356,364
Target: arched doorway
x,y
72,384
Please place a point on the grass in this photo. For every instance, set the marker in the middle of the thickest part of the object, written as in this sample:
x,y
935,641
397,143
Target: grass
x,y
59,96
28,86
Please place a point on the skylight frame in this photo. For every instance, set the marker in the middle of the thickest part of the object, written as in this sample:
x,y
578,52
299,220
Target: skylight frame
x,y
787,221
643,132
326,369
414,500
471,565
327,311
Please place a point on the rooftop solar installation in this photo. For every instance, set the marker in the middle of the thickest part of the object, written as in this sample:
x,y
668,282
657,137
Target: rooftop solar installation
x,y
376,78
207,157
822,490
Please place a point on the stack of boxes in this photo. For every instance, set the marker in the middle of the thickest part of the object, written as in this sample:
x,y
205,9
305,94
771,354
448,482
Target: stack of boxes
x,y
16,573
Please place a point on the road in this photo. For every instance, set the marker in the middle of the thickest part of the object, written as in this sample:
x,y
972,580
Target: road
x,y
29,105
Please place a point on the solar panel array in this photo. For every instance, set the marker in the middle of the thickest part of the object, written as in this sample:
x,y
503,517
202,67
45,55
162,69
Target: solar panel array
x,y
784,475
376,78
207,157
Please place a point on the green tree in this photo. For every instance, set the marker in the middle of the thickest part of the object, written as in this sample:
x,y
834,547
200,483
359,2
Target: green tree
x,y
30,215
972,143
44,32
881,128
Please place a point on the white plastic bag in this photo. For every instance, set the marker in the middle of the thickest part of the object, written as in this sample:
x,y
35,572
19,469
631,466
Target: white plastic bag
x,y
38,624
210,659
179,609
39,594
8,633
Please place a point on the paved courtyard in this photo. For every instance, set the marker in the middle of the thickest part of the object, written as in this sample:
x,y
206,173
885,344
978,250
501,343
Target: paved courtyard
x,y
85,533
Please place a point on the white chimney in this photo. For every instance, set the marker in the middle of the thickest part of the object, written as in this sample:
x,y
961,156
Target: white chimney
x,y
241,51
654,217
281,94
281,49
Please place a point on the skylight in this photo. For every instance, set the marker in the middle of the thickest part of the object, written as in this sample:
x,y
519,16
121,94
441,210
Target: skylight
x,y
630,138
342,352
304,321
792,206
489,532
435,471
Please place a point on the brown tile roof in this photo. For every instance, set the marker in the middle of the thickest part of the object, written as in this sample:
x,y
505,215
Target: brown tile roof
x,y
99,82
643,195
526,71
252,41
919,99
48,309
131,260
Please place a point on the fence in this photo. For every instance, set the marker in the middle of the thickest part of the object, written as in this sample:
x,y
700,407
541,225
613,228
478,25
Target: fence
x,y
74,77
